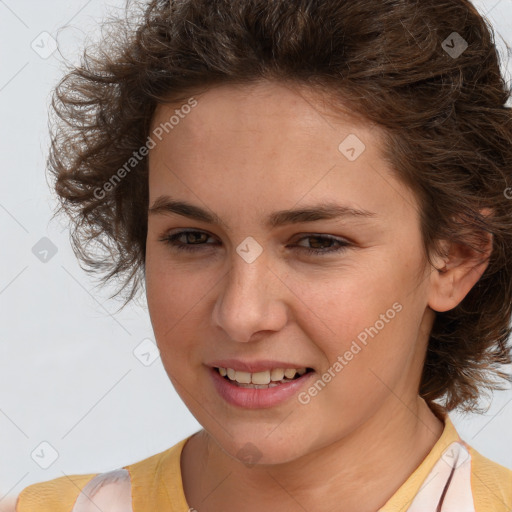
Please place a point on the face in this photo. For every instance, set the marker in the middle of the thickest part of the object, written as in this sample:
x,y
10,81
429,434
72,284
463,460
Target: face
x,y
235,280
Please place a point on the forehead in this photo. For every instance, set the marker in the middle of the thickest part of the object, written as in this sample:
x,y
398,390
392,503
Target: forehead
x,y
268,139
256,107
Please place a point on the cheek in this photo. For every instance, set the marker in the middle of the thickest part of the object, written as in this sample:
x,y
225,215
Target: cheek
x,y
169,296
171,289
342,305
176,298
367,323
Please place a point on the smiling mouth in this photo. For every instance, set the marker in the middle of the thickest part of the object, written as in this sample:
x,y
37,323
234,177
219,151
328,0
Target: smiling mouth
x,y
262,380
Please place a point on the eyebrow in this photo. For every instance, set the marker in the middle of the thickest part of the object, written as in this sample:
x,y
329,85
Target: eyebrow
x,y
323,211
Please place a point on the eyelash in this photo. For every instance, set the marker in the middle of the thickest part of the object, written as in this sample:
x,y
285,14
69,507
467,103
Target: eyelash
x,y
171,240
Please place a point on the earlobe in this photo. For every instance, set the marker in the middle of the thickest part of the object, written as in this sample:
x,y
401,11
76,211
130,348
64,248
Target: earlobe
x,y
454,274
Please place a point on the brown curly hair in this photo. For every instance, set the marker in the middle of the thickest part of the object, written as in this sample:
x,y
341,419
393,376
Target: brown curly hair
x,y
447,128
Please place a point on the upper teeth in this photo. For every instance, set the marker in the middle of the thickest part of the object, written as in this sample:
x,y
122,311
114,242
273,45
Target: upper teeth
x,y
277,374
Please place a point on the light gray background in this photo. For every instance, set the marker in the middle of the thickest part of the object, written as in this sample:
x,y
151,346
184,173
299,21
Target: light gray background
x,y
69,376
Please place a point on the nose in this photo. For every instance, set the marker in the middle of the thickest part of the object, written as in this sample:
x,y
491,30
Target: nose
x,y
251,300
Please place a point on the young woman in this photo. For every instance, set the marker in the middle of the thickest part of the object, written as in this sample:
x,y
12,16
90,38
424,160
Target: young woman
x,y
315,196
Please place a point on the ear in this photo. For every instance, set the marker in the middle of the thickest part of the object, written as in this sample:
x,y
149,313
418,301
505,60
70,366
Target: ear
x,y
457,270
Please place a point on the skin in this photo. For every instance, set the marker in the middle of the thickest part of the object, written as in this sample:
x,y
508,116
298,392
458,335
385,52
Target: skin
x,y
242,153
8,504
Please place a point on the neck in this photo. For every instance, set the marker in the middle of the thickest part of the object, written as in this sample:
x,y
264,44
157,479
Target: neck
x,y
335,477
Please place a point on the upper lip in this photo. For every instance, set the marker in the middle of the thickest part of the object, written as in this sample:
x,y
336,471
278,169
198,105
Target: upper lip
x,y
254,366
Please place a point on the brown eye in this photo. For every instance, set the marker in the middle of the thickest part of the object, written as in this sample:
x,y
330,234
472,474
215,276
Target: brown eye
x,y
192,240
186,240
321,244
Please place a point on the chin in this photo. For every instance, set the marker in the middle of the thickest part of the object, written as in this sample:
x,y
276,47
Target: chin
x,y
252,446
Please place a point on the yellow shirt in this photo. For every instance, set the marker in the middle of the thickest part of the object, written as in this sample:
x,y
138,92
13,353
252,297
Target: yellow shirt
x,y
453,477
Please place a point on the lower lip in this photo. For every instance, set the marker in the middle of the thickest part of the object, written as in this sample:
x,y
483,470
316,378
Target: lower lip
x,y
253,398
